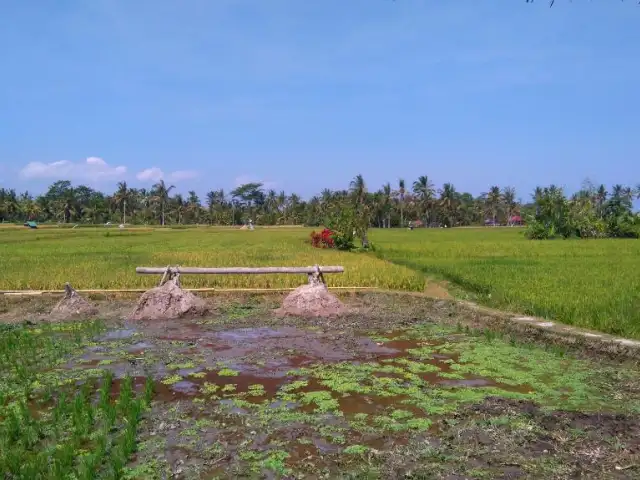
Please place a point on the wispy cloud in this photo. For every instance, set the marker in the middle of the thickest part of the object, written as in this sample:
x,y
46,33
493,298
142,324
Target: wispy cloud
x,y
155,174
92,169
150,175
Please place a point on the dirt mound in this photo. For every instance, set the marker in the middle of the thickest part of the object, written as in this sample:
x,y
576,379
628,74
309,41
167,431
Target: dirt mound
x,y
311,301
72,305
168,301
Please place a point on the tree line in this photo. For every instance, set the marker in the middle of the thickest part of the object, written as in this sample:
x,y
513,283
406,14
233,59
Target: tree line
x,y
419,202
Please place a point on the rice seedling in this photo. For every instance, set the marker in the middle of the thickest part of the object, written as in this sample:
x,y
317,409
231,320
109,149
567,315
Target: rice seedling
x,y
52,429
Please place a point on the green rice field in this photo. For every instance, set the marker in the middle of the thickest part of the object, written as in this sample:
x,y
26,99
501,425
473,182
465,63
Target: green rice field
x,y
591,284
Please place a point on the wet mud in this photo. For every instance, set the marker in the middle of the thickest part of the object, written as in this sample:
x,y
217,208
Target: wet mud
x,y
274,400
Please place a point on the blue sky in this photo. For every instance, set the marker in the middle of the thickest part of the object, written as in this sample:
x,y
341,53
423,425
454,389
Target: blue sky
x,y
304,95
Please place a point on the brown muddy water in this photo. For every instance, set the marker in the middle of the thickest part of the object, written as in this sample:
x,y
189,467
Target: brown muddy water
x,y
258,355
221,394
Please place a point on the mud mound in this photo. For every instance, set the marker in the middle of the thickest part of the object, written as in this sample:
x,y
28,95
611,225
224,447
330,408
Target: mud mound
x,y
168,301
72,305
311,301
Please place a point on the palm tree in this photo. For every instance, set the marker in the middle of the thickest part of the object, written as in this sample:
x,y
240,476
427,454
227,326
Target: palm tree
x,y
294,205
493,199
386,204
617,191
31,209
401,190
281,202
424,190
449,203
358,189
179,207
120,198
10,206
211,204
601,198
509,199
193,206
161,196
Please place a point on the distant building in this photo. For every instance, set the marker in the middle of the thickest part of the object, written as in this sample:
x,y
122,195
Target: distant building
x,y
515,220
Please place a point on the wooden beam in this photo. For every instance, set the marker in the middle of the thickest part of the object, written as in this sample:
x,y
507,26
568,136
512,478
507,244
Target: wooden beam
x,y
38,293
236,270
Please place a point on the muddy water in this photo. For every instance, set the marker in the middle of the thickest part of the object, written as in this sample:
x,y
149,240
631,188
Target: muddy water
x,y
245,372
259,356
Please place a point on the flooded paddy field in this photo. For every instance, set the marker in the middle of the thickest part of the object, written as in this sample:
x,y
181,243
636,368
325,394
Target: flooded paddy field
x,y
402,389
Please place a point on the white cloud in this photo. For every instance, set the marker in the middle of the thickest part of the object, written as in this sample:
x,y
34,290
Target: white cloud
x,y
155,174
152,174
93,169
244,179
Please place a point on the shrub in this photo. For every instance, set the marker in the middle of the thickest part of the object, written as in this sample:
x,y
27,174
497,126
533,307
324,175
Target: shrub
x,y
624,226
537,230
343,242
323,239
343,223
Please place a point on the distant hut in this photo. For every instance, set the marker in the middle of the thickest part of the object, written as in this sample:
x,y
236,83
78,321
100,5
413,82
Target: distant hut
x,y
31,224
515,220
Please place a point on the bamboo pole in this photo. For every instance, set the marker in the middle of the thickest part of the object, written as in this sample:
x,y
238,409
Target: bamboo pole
x,y
25,293
235,270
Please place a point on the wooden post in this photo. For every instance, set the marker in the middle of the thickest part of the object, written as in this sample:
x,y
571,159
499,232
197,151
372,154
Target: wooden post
x,y
316,277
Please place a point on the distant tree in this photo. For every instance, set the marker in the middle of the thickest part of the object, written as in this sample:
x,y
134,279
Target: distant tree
x,y
123,196
358,190
493,201
386,205
179,207
424,190
193,206
64,202
250,194
449,204
161,196
401,192
582,215
509,201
